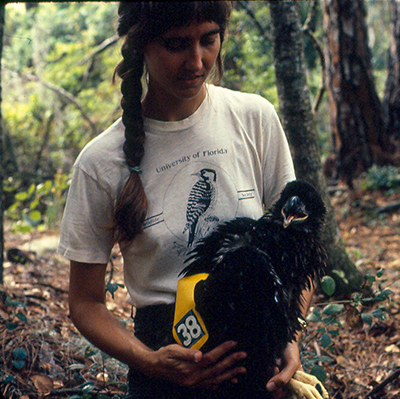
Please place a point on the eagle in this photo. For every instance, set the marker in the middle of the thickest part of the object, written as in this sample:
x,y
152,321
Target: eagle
x,y
254,272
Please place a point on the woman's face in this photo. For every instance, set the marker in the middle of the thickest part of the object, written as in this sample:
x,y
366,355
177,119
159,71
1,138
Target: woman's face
x,y
180,60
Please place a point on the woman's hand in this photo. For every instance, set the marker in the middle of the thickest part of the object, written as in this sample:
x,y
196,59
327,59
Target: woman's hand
x,y
290,363
194,369
188,367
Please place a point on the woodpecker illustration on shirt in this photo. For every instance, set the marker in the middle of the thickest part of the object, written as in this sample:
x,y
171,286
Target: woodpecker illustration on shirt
x,y
201,201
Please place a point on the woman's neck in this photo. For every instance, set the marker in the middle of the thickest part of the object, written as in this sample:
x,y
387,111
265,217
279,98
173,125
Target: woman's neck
x,y
168,108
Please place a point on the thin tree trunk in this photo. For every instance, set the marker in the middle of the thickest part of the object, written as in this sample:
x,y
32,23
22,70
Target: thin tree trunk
x,y
2,11
391,100
295,109
358,138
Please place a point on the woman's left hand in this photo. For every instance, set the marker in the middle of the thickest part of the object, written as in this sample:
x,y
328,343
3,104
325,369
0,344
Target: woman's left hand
x,y
290,363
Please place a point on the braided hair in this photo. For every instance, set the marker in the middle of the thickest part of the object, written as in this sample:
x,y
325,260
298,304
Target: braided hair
x,y
140,23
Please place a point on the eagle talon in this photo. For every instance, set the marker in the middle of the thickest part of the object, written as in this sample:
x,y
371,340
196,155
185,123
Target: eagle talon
x,y
306,386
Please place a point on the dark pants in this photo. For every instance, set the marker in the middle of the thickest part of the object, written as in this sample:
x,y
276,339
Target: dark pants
x,y
153,326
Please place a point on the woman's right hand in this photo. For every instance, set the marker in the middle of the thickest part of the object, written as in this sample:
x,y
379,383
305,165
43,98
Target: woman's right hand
x,y
194,369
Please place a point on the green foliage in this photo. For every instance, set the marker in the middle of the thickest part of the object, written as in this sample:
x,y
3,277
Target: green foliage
x,y
248,54
39,206
384,178
19,358
16,315
330,317
328,285
52,44
113,287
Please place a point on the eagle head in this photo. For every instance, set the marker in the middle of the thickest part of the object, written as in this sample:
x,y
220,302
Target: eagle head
x,y
300,207
294,211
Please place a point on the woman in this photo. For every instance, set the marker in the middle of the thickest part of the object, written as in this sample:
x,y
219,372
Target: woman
x,y
186,157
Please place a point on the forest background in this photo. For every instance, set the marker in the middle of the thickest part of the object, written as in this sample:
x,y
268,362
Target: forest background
x,y
57,94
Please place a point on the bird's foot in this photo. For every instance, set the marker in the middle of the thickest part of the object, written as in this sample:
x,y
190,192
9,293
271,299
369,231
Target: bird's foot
x,y
306,386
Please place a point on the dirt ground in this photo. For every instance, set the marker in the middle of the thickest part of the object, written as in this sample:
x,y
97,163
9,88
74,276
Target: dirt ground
x,y
43,355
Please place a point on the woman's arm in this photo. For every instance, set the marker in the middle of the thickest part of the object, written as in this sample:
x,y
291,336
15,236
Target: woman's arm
x,y
291,356
188,367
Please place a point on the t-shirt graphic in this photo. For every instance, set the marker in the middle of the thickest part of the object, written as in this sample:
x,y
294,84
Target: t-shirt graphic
x,y
201,202
198,198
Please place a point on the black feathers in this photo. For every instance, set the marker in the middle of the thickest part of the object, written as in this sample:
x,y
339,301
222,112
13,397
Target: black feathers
x,y
257,272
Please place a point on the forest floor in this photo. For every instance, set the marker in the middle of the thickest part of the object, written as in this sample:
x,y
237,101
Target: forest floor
x,y
43,355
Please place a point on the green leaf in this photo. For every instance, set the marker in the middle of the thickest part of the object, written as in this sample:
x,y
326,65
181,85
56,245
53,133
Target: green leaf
x,y
328,285
380,273
22,228
331,320
11,326
382,296
324,359
313,317
33,205
368,301
22,317
367,318
333,308
333,333
21,196
18,364
35,216
20,354
370,278
31,189
319,372
316,311
112,288
9,379
325,340
379,314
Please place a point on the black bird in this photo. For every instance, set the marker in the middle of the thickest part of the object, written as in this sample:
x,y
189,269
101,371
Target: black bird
x,y
257,272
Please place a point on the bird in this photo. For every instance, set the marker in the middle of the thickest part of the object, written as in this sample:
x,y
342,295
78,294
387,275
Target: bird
x,y
201,198
252,274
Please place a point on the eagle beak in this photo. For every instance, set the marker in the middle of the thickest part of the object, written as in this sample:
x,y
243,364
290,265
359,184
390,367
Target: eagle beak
x,y
288,219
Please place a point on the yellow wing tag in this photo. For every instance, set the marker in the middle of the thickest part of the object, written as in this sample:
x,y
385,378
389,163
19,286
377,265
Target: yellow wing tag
x,y
189,329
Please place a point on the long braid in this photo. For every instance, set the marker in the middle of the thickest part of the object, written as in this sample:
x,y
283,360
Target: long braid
x,y
142,22
131,205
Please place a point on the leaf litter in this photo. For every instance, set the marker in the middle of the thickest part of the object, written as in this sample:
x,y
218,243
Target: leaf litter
x,y
43,355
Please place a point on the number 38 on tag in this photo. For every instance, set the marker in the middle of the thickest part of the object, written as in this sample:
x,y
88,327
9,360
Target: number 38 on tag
x,y
189,330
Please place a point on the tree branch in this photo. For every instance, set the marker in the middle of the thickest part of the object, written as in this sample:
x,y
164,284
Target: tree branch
x,y
318,46
70,98
100,48
246,7
387,381
90,59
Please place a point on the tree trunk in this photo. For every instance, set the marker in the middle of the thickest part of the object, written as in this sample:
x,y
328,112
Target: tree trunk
x,y
295,109
2,11
358,138
391,100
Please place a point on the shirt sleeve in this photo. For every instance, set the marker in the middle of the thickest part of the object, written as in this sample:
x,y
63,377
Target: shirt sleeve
x,y
85,229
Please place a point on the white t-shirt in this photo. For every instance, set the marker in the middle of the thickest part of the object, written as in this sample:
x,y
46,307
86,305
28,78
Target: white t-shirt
x,y
228,159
